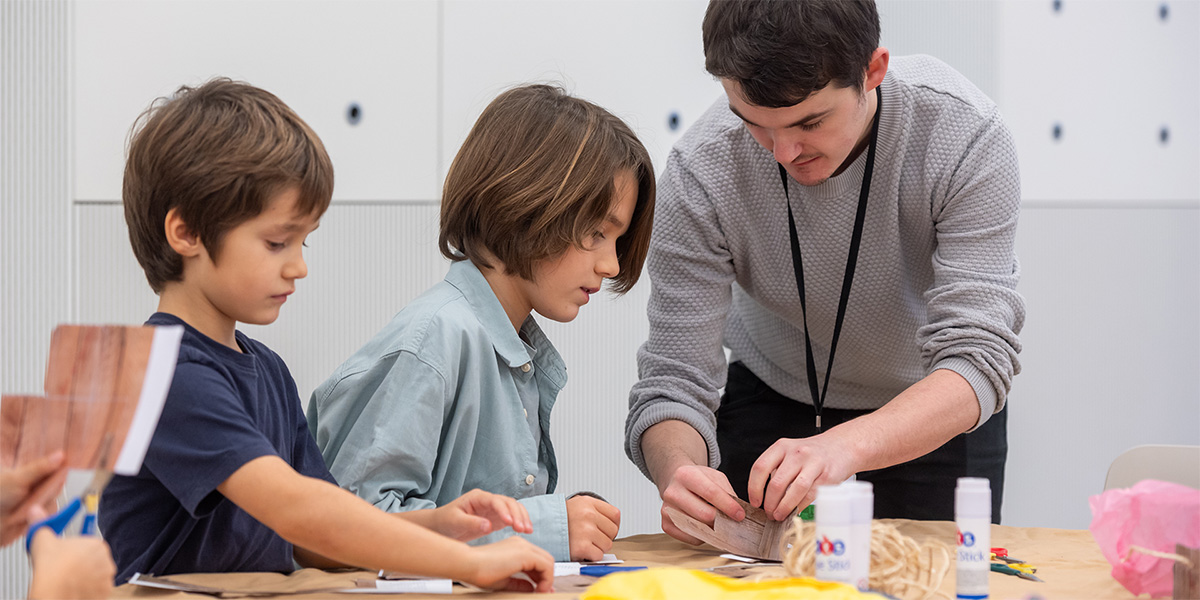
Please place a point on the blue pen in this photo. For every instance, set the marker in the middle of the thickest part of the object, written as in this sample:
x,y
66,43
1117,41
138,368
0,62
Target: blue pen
x,y
602,570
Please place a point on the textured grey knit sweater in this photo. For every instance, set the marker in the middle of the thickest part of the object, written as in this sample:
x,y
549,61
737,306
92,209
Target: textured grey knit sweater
x,y
935,285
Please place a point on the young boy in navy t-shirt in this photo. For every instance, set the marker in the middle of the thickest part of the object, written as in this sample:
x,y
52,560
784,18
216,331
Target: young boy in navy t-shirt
x,y
223,184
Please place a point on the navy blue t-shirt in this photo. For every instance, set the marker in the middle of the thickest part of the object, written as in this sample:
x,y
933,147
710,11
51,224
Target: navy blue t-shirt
x,y
225,408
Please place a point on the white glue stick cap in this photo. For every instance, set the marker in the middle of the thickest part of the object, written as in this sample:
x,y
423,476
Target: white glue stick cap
x,y
973,498
833,505
862,500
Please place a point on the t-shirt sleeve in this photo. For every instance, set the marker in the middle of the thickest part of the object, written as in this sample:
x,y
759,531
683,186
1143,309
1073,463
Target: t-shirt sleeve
x,y
203,436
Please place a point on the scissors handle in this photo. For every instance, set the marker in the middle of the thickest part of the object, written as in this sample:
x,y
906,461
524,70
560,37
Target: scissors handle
x,y
58,522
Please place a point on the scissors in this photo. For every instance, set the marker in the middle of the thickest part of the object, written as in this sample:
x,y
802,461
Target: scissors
x,y
1013,566
88,500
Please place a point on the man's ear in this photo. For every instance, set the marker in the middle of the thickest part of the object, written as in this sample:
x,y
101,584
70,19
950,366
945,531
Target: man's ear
x,y
876,69
180,236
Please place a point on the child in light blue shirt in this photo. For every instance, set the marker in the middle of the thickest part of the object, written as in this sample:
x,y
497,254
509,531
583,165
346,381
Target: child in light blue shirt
x,y
548,197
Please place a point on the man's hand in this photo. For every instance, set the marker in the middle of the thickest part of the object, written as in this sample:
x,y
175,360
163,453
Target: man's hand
x,y
477,513
493,566
698,492
592,525
25,489
796,467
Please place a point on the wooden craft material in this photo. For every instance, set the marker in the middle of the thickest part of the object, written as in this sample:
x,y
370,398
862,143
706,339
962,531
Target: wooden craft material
x,y
96,379
1187,572
756,536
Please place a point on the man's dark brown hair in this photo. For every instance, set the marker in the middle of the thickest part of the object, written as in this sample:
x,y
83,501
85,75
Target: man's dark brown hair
x,y
536,176
781,51
218,153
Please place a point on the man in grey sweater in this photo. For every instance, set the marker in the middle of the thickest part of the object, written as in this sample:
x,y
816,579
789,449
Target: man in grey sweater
x,y
901,184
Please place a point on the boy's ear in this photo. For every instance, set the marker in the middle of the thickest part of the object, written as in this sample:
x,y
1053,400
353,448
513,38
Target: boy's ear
x,y
180,237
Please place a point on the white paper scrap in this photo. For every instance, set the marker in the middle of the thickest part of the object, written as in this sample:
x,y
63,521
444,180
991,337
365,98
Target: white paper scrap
x,y
406,586
164,351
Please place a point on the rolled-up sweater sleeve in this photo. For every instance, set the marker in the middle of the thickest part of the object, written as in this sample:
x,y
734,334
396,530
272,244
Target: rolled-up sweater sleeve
x,y
974,310
682,365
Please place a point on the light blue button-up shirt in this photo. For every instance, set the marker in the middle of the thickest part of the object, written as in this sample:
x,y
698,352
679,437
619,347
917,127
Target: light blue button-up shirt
x,y
447,398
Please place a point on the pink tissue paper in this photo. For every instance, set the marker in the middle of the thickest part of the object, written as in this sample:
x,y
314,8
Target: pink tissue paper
x,y
1154,515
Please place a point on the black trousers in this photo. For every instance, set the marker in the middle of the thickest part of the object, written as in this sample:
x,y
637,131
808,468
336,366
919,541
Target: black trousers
x,y
753,416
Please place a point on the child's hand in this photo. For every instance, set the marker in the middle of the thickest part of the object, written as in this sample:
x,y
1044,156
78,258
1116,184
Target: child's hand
x,y
477,513
493,566
25,488
77,567
592,524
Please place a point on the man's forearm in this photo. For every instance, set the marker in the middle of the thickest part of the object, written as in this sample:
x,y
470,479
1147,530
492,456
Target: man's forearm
x,y
671,444
918,421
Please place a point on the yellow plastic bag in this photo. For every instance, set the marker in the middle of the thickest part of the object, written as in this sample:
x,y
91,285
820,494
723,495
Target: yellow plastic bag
x,y
683,584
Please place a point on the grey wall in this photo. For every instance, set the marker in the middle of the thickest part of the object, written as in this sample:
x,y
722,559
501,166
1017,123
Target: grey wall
x,y
1108,238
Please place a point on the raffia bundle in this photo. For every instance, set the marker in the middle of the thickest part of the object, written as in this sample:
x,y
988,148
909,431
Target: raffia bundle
x,y
900,567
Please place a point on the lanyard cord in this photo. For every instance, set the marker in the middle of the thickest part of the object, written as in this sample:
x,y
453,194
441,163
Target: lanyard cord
x,y
818,396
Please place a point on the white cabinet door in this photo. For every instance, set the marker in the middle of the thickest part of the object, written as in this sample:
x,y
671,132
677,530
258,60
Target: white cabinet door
x,y
643,61
321,57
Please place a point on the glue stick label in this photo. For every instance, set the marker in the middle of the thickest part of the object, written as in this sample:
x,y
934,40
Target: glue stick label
x,y
833,560
973,558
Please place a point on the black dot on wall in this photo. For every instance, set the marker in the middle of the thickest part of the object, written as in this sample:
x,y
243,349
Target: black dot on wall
x,y
354,113
1164,135
1056,5
673,121
1057,131
1163,11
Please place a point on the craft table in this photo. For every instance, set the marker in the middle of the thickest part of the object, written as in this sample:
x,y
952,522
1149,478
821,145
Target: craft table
x,y
1068,560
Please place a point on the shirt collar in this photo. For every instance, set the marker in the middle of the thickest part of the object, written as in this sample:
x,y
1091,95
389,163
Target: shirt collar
x,y
465,277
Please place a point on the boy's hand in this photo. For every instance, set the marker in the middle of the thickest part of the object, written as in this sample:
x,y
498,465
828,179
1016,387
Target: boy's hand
x,y
477,513
511,564
592,525
77,567
25,489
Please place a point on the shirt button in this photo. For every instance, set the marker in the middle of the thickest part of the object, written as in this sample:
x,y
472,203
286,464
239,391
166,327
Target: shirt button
x,y
526,411
526,367
529,480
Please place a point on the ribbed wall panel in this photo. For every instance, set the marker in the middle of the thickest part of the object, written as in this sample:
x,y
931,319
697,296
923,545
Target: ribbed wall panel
x,y
964,35
35,171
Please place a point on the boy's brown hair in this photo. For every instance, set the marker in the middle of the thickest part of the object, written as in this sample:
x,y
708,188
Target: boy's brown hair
x,y
536,176
217,153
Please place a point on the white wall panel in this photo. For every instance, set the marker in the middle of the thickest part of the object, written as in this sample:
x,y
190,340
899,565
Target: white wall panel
x,y
35,218
964,35
641,60
111,285
1111,349
318,56
1111,74
600,350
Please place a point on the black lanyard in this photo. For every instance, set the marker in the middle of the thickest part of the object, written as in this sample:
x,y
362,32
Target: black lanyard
x,y
818,397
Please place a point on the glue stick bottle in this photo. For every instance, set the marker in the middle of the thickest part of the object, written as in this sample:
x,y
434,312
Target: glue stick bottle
x,y
862,511
834,552
973,516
